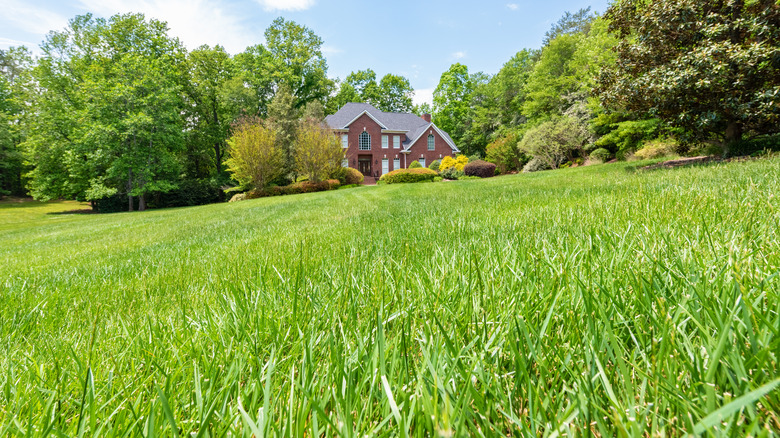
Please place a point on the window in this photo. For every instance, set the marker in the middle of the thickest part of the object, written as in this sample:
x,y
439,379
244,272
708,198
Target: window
x,y
421,161
396,163
344,141
385,164
384,142
430,142
396,142
365,141
345,163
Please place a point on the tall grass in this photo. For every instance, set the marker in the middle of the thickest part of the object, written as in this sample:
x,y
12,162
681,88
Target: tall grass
x,y
595,301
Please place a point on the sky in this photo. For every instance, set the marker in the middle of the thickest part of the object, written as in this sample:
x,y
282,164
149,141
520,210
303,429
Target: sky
x,y
416,39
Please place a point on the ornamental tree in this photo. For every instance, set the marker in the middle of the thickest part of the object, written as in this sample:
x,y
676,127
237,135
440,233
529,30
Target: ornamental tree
x,y
711,68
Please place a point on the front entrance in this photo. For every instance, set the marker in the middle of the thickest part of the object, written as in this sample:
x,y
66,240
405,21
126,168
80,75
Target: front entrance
x,y
364,165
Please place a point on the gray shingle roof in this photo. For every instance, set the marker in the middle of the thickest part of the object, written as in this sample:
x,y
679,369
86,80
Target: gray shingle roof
x,y
411,123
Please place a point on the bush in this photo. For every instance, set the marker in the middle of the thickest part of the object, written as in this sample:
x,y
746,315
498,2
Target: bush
x,y
415,165
505,154
190,192
434,166
238,197
438,179
601,154
535,165
452,173
480,168
408,176
457,163
353,176
656,149
556,141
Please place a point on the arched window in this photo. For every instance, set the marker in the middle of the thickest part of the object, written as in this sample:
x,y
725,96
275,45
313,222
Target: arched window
x,y
365,141
430,142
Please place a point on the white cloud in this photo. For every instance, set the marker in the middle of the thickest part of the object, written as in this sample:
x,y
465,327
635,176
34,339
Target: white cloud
x,y
331,50
459,55
286,5
423,95
31,19
512,6
194,22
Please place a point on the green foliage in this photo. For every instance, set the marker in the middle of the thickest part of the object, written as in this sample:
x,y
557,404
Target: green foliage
x,y
434,166
451,100
438,179
504,153
601,154
15,67
318,152
657,149
411,175
553,78
284,118
628,135
393,93
353,176
479,168
255,158
570,24
709,68
451,173
396,94
555,142
535,165
415,165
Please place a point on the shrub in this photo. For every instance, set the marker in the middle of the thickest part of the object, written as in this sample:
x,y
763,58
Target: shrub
x,y
415,165
535,165
254,156
452,173
505,154
353,176
434,166
188,193
238,197
340,174
601,154
474,157
480,168
555,141
656,149
408,176
318,152
457,163
438,179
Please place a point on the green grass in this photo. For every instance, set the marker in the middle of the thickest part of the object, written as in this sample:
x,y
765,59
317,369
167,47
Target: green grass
x,y
596,300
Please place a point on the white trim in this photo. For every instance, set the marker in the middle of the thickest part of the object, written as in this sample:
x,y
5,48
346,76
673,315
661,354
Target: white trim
x,y
396,163
385,165
344,141
385,141
441,134
369,115
393,131
396,142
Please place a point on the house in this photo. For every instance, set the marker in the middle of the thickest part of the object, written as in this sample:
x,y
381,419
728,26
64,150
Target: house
x,y
376,142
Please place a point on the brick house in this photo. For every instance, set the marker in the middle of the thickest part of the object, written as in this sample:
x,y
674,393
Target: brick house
x,y
376,142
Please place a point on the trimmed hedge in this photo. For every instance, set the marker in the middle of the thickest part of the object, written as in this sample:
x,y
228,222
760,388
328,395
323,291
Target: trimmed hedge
x,y
353,176
415,165
292,189
480,168
409,176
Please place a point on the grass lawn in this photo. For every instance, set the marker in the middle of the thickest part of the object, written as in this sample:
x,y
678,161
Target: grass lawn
x,y
598,300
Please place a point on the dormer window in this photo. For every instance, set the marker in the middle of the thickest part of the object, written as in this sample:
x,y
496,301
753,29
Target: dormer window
x,y
365,141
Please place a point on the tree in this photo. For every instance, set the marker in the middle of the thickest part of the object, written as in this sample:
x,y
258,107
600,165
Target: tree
x,y
15,65
504,153
578,22
552,79
710,68
255,158
318,152
296,59
208,115
451,100
555,141
109,110
364,84
283,119
396,94
346,94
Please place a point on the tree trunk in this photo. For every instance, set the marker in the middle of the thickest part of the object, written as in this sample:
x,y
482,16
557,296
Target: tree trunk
x,y
218,156
130,190
142,202
733,136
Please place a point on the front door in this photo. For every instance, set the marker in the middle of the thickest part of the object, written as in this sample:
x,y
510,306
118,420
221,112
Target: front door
x,y
364,166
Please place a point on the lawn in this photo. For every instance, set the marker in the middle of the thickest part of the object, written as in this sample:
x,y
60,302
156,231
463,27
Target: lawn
x,y
599,300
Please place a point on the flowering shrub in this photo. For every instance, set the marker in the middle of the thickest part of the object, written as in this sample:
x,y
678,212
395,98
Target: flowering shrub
x,y
458,163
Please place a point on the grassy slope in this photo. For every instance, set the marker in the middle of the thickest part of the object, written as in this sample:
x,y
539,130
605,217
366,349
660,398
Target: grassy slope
x,y
642,302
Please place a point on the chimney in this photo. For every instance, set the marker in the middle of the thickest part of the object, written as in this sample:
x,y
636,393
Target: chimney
x,y
427,117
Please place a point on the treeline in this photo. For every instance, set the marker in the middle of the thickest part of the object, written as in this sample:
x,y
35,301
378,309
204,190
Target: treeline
x,y
116,109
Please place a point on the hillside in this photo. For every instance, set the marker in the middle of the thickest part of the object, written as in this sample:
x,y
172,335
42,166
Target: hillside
x,y
588,300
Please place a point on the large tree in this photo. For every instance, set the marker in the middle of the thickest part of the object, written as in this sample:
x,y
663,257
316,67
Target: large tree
x,y
15,65
108,110
451,100
396,94
711,68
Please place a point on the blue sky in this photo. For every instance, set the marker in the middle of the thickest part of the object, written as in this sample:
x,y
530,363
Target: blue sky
x,y
416,39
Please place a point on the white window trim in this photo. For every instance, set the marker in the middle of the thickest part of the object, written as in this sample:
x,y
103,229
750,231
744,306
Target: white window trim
x,y
360,143
431,147
396,142
385,142
396,163
385,166
344,141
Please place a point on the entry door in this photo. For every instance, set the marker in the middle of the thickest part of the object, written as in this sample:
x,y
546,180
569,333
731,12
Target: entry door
x,y
364,166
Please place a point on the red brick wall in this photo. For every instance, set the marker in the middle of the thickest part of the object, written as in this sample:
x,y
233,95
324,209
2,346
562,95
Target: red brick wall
x,y
364,122
420,148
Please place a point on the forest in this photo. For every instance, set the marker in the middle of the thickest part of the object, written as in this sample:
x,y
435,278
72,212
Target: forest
x,y
116,108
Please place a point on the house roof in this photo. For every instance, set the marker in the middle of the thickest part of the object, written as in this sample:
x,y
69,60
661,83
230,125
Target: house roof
x,y
413,125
